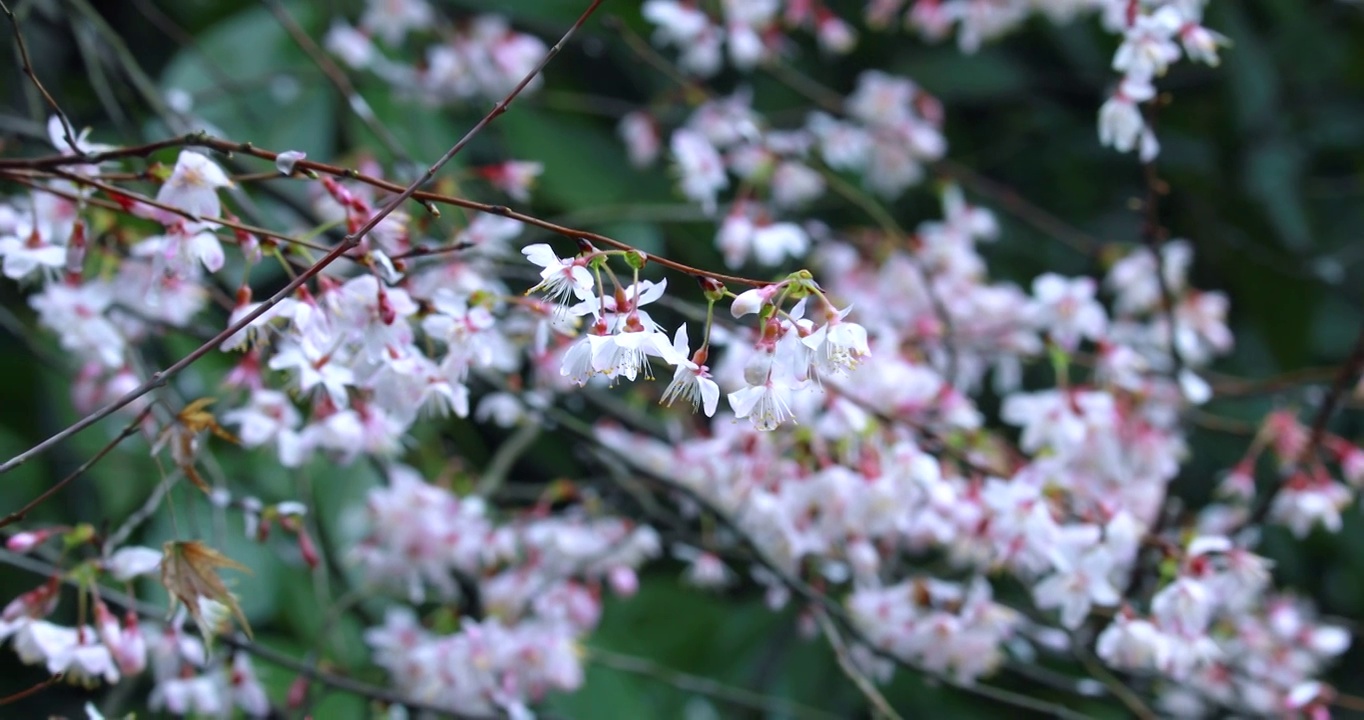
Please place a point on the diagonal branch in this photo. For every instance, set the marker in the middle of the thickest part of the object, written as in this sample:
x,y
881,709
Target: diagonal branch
x,y
1349,373
28,70
128,432
849,668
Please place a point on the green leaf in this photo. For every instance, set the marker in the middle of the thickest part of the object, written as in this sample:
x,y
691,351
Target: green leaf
x,y
277,98
584,162
990,74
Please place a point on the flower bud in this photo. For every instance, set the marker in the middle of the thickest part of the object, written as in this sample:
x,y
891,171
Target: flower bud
x,y
26,541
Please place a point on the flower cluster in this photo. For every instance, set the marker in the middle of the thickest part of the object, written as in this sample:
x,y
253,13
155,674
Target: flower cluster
x,y
946,628
1067,513
1152,36
888,130
1155,34
748,32
1221,639
537,578
483,58
187,677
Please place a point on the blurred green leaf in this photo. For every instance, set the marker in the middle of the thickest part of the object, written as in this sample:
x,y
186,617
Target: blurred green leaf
x,y
279,100
583,167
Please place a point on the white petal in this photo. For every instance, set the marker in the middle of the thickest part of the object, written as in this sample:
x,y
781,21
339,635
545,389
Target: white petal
x,y
542,255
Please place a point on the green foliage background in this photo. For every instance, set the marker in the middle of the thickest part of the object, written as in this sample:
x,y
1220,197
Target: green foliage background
x,y
1263,157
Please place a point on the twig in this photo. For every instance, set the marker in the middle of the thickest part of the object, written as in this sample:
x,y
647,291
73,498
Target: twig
x,y
1348,373
890,227
812,89
34,690
1353,703
98,79
1020,207
507,454
228,146
1229,386
1154,235
1135,704
143,513
849,667
337,76
1012,202
133,72
144,200
703,685
817,600
128,432
1154,244
181,36
334,614
648,54
28,70
159,379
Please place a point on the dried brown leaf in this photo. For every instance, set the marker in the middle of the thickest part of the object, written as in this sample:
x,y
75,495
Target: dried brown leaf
x,y
189,571
196,418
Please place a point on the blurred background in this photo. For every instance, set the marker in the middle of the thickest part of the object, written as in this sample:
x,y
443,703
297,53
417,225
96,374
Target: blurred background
x,y
1263,158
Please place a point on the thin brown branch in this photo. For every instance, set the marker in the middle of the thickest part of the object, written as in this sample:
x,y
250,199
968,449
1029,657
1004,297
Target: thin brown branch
x,y
1154,236
34,690
1229,386
648,54
229,147
1348,374
897,234
127,432
144,200
182,37
27,63
1116,686
338,78
817,600
125,61
849,667
737,696
1007,198
1353,703
1013,203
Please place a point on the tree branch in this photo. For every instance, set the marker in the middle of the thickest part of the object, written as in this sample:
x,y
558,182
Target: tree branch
x,y
159,379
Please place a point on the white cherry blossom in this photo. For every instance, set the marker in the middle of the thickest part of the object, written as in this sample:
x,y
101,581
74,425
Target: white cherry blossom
x,y
193,185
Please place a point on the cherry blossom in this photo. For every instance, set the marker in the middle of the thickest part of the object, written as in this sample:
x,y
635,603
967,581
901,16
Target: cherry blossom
x,y
1081,579
701,170
560,278
193,186
1068,309
691,381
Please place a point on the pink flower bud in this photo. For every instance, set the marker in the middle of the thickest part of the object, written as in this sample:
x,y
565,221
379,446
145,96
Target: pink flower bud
x,y
308,549
26,541
624,582
298,693
75,249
